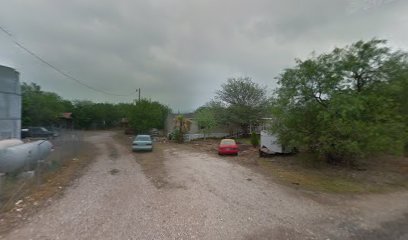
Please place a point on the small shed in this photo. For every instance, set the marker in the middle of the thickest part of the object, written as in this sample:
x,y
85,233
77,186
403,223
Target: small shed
x,y
66,120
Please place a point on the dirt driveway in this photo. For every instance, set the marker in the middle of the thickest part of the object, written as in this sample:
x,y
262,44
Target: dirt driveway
x,y
178,193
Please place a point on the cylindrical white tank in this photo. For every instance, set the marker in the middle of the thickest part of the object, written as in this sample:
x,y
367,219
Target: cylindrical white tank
x,y
16,157
9,143
10,103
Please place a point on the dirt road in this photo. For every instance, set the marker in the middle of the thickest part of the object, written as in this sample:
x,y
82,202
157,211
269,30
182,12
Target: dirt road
x,y
178,193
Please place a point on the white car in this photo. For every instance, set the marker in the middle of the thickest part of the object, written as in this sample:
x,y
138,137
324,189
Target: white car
x,y
142,143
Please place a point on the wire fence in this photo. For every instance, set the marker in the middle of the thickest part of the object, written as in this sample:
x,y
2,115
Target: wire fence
x,y
16,186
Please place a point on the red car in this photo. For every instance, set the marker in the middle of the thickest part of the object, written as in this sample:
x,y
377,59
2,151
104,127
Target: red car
x,y
228,146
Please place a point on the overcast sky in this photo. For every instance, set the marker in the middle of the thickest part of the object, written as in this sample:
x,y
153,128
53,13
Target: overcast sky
x,y
179,52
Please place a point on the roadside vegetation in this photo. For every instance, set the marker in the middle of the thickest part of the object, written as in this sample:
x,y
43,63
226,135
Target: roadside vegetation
x,y
375,175
345,105
41,108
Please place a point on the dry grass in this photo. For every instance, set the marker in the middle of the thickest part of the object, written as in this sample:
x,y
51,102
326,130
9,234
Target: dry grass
x,y
373,175
152,163
311,179
379,174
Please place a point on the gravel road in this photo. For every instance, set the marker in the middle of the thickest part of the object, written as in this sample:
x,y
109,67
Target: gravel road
x,y
177,193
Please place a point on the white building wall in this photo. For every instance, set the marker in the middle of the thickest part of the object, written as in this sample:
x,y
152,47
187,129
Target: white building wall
x,y
10,103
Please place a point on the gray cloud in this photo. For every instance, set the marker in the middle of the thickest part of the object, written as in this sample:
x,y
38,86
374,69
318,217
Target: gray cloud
x,y
179,52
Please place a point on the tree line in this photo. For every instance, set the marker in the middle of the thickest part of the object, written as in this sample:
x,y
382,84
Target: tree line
x,y
41,108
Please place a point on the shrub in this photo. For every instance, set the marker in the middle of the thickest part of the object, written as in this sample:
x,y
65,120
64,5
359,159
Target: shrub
x,y
254,139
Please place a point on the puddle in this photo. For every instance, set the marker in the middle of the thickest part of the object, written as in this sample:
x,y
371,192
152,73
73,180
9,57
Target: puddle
x,y
114,171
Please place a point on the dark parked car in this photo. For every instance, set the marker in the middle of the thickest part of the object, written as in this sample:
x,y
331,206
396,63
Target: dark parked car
x,y
37,132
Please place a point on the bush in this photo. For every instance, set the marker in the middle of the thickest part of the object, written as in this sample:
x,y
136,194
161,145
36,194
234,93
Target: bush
x,y
254,139
177,135
406,150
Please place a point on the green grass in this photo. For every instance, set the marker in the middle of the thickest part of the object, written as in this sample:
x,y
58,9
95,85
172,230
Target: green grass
x,y
246,140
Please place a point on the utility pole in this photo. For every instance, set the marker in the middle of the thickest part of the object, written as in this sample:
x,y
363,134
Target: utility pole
x,y
138,90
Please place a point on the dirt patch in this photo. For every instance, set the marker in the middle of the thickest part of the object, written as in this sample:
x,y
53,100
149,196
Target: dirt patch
x,y
152,163
153,166
279,232
113,152
301,172
395,229
33,196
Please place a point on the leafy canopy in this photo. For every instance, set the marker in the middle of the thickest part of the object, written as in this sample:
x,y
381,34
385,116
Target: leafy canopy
x,y
244,101
206,120
146,114
40,108
344,104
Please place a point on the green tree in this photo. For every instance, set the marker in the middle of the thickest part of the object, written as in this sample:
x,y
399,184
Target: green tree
x,y
96,115
44,108
41,108
336,104
206,120
397,90
124,109
83,114
145,115
245,101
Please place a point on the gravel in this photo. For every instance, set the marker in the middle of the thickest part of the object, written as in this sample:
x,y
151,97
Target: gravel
x,y
203,197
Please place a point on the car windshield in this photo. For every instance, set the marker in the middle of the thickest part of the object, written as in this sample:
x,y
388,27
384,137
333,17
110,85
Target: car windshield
x,y
227,142
143,138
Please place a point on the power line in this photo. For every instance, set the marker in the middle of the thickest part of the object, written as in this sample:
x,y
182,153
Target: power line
x,y
57,69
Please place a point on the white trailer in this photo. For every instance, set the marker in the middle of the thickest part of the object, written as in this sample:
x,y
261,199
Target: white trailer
x,y
269,145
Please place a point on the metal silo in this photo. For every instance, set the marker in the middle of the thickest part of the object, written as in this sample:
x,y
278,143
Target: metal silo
x,y
10,103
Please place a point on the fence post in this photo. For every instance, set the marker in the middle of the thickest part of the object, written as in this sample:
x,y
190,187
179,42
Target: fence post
x,y
38,166
2,179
